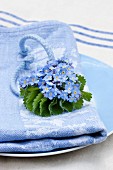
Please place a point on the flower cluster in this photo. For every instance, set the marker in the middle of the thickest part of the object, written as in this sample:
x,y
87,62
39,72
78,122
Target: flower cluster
x,y
57,79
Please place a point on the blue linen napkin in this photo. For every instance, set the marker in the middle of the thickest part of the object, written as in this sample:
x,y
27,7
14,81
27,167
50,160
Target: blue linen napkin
x,y
21,130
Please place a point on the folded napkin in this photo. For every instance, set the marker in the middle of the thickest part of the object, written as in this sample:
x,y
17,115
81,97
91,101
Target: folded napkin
x,y
21,130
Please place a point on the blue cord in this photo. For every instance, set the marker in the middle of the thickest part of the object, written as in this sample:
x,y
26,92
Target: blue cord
x,y
27,60
38,39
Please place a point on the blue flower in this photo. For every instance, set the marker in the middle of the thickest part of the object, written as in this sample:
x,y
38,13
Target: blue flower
x,y
73,77
50,94
56,77
76,93
41,82
51,67
69,68
46,88
40,73
72,99
70,73
56,90
68,88
76,86
49,83
63,71
48,77
63,95
63,78
69,82
33,80
24,81
62,65
46,69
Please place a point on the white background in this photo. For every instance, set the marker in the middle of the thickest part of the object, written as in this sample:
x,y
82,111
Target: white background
x,y
96,14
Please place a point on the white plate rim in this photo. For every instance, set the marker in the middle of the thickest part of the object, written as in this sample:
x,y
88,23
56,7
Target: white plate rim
x,y
26,155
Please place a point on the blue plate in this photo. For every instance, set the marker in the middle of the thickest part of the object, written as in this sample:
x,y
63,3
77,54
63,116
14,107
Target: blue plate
x,y
100,81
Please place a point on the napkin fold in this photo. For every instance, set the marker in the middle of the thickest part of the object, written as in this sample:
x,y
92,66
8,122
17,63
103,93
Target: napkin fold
x,y
21,130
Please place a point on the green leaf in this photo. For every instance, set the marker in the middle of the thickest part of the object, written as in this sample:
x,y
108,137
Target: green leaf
x,y
29,100
22,92
86,96
55,108
27,89
26,92
36,108
44,110
25,99
82,81
68,106
78,104
32,88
